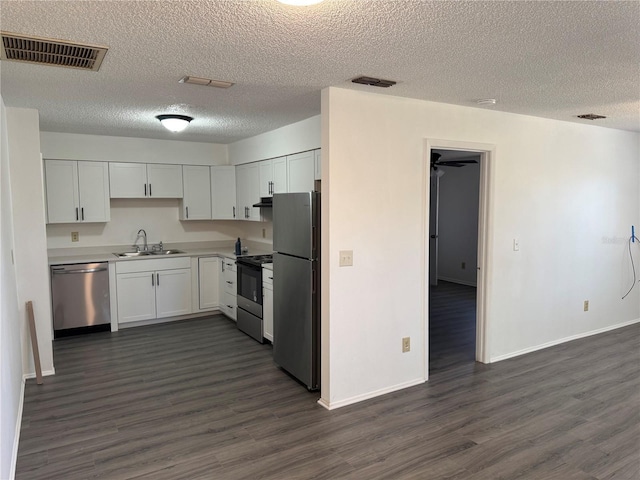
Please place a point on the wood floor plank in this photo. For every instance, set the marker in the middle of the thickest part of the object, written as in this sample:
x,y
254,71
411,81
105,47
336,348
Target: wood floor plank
x,y
199,399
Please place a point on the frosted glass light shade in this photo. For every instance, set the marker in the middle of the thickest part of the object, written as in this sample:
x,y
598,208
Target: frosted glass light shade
x,y
174,123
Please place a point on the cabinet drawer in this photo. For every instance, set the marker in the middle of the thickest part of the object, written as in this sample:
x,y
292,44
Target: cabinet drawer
x,y
228,265
229,283
228,305
152,264
267,277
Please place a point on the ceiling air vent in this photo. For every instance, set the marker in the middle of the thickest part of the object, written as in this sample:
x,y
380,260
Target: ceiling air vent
x,y
591,116
374,82
46,51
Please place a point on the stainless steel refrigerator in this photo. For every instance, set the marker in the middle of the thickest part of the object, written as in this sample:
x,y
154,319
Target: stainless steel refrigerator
x,y
296,285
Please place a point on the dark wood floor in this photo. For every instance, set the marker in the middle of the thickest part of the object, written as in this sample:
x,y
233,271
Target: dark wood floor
x,y
452,326
199,400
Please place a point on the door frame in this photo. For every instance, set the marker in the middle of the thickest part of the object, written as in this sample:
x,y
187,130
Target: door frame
x,y
487,153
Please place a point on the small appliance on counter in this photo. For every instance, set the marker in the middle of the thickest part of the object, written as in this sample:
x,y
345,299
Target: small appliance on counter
x,y
249,296
296,285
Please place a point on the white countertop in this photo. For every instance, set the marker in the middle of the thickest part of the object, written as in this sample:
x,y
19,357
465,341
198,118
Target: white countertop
x,y
62,256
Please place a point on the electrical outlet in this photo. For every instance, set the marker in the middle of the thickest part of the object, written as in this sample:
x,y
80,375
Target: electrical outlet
x,y
406,344
516,244
75,237
586,305
346,258
463,265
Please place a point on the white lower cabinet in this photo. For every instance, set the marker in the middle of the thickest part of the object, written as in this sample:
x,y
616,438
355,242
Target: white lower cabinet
x,y
228,288
154,288
208,283
267,303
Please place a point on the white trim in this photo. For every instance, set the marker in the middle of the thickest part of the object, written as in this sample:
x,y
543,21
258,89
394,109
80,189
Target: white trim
x,y
460,282
16,437
45,373
553,343
367,396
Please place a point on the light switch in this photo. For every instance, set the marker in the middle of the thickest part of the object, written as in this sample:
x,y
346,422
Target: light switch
x,y
346,258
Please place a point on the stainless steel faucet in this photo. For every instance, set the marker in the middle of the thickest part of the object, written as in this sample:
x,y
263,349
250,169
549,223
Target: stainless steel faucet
x,y
143,234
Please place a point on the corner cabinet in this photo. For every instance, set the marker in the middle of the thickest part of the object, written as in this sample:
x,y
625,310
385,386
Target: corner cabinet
x,y
77,191
223,193
248,191
155,288
208,283
141,180
196,204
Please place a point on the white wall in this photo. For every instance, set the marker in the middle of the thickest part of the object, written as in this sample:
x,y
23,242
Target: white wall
x,y
11,393
294,138
30,253
458,224
72,146
559,187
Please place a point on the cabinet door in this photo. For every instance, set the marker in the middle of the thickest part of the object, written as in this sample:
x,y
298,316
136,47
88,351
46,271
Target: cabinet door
x,y
173,292
209,282
301,168
136,296
318,165
93,186
127,180
164,181
280,184
248,191
61,180
266,178
196,204
223,193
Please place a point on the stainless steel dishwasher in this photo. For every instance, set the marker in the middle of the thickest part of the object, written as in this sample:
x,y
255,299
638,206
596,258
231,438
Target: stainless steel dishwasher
x,y
80,298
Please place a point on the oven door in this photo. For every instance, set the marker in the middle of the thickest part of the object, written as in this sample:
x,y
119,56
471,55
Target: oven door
x,y
250,288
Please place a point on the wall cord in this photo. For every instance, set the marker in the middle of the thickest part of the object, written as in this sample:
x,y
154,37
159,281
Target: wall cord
x,y
633,267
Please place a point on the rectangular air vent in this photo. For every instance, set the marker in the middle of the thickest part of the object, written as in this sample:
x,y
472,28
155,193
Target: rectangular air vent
x,y
591,116
47,51
206,82
374,82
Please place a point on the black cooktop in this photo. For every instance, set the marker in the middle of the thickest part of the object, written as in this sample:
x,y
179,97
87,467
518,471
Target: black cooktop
x,y
255,259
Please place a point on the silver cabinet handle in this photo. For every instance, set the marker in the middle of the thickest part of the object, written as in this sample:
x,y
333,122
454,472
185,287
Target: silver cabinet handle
x,y
229,282
187,212
153,284
77,214
158,279
149,189
145,189
234,212
82,210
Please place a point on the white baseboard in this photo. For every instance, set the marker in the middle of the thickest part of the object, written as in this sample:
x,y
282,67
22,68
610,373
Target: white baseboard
x,y
457,280
367,396
45,373
562,340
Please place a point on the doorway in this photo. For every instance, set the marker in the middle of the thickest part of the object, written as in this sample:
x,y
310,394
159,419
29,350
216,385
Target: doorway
x,y
456,239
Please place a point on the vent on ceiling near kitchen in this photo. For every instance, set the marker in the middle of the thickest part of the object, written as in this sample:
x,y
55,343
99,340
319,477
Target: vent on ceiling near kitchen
x,y
47,51
374,82
205,82
591,116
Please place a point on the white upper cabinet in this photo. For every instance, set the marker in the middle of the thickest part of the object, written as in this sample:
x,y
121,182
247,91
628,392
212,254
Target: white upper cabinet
x,y
196,203
273,176
165,181
77,191
248,191
301,169
223,193
141,180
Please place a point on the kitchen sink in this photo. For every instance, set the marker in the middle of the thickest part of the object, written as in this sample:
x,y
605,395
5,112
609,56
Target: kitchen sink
x,y
145,254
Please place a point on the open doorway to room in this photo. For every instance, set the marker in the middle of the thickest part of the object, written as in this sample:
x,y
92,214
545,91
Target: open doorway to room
x,y
458,222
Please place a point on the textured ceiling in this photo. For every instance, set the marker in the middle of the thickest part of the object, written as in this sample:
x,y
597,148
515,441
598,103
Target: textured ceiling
x,y
547,59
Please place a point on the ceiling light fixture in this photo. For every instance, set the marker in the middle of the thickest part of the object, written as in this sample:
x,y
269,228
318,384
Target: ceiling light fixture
x,y
300,3
173,122
486,101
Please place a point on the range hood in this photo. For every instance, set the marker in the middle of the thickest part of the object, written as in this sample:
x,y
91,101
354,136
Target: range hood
x,y
265,202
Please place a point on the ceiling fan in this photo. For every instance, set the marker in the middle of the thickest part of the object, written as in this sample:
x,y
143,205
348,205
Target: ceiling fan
x,y
435,162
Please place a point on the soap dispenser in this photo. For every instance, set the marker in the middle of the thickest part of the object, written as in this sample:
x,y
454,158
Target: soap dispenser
x,y
238,247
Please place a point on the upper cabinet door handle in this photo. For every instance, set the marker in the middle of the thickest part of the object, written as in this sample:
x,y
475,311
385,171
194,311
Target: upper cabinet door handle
x,y
149,189
145,189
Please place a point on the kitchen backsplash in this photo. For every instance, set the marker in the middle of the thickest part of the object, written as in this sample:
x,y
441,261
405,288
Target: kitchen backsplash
x,y
159,218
